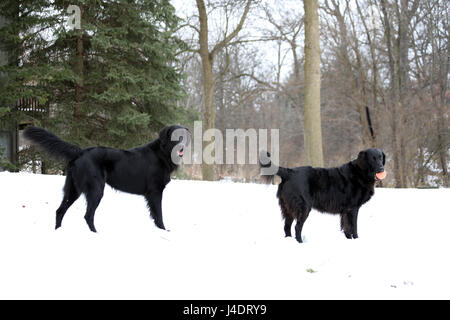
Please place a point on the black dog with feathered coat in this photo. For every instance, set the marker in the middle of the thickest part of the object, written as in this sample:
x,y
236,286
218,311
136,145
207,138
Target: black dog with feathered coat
x,y
341,190
144,170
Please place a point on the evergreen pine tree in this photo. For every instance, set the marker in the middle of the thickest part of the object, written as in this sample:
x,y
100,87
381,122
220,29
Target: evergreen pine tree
x,y
113,82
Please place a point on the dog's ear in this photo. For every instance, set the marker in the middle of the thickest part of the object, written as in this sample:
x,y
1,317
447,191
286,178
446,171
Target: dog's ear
x,y
164,134
362,155
361,161
384,158
181,134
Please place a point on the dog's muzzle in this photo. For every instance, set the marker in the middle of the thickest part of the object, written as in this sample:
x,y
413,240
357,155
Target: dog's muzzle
x,y
180,152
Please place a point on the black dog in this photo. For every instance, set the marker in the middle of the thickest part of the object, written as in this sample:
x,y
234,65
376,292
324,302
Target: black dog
x,y
341,190
144,170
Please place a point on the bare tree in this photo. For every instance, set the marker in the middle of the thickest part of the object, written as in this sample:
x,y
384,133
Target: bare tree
x,y
207,57
397,48
348,53
312,119
384,82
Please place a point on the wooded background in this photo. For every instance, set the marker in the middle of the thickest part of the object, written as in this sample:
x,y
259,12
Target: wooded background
x,y
135,66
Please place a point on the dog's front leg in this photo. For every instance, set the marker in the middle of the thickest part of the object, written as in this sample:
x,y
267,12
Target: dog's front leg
x,y
154,200
354,222
349,220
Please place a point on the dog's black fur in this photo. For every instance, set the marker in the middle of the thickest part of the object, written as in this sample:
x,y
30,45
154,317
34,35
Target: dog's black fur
x,y
341,190
144,170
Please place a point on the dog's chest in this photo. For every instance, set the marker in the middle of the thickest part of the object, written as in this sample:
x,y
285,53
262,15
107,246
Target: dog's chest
x,y
166,179
367,194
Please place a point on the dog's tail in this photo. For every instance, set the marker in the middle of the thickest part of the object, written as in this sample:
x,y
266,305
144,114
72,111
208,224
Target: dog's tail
x,y
53,145
265,162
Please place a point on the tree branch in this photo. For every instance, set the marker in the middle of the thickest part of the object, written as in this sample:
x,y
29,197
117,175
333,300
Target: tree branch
x,y
219,46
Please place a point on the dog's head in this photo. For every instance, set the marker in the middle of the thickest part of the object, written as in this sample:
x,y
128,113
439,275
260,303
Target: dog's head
x,y
174,140
371,162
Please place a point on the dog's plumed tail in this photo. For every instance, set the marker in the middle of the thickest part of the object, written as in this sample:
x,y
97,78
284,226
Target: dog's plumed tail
x,y
50,143
265,162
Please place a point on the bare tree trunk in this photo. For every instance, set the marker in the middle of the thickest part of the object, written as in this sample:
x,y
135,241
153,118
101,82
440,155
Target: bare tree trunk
x,y
440,126
287,30
43,167
375,107
356,78
420,177
362,96
312,119
207,57
79,71
403,78
441,104
395,98
208,172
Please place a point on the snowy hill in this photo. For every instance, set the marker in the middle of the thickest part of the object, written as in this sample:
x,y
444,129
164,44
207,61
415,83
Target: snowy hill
x,y
226,242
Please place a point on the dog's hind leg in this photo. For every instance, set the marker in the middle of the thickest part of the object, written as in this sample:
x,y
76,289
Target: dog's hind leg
x,y
302,214
288,219
93,198
299,225
71,194
154,204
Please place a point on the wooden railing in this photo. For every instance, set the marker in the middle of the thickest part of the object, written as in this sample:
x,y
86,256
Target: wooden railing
x,y
30,105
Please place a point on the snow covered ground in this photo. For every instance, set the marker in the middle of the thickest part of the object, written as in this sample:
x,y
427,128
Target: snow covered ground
x,y
226,242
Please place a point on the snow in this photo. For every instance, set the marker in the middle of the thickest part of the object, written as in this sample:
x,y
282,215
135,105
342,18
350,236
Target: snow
x,y
226,241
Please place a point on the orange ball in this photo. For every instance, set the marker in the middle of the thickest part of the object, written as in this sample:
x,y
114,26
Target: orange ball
x,y
381,175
